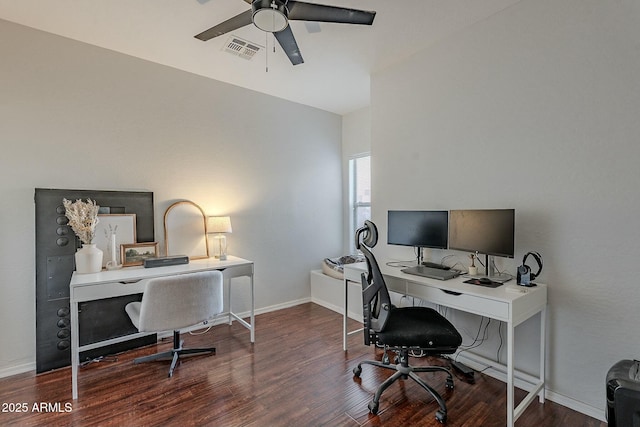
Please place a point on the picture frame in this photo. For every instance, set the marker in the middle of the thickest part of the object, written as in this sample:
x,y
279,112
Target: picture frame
x,y
135,253
124,227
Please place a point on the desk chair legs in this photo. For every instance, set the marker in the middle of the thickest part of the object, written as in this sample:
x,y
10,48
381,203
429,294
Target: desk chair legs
x,y
175,353
403,371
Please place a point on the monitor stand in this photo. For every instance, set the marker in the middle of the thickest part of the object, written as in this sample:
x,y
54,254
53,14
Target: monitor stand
x,y
420,255
493,274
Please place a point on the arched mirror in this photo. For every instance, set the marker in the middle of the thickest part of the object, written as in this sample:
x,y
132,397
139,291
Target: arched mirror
x,y
185,231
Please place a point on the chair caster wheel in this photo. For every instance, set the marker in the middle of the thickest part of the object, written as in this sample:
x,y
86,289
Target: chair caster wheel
x,y
441,417
373,407
357,371
449,383
385,359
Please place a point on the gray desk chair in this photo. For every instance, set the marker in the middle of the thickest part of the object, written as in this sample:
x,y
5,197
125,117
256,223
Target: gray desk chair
x,y
174,303
401,330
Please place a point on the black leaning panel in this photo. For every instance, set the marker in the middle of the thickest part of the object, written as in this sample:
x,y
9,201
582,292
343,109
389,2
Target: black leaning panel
x,y
105,319
59,271
55,246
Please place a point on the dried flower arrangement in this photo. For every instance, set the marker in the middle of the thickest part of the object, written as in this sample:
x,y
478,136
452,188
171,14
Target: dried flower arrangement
x,y
83,218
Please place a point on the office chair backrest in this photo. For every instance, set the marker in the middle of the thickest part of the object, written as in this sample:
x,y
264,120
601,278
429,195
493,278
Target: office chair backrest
x,y
375,296
175,302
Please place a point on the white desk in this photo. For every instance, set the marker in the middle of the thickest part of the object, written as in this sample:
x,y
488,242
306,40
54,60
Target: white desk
x,y
495,303
132,280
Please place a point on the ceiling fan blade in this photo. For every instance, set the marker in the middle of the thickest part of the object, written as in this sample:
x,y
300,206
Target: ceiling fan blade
x,y
288,43
302,11
231,24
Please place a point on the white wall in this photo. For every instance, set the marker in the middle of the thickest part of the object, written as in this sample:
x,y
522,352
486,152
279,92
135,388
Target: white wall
x,y
535,108
77,116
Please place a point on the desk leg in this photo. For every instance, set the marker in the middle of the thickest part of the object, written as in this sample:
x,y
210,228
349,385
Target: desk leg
x,y
253,306
229,301
510,374
345,317
251,325
75,354
543,342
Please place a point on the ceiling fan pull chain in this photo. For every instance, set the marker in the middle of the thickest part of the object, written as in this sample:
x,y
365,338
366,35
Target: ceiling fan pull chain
x,y
273,17
266,52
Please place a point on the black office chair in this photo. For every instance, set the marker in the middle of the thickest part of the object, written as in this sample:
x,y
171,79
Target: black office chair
x,y
401,330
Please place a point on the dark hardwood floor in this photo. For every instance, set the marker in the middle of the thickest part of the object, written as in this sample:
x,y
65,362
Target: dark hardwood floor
x,y
296,374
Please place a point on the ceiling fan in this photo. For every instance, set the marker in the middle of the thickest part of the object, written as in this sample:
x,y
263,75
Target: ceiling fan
x,y
274,15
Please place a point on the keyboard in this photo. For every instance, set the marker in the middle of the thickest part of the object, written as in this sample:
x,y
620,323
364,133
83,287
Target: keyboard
x,y
430,272
435,265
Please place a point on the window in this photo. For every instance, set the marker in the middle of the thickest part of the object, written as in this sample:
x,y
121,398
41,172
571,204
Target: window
x,y
359,193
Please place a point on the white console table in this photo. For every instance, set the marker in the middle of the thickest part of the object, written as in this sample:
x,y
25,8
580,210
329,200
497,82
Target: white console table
x,y
132,280
495,303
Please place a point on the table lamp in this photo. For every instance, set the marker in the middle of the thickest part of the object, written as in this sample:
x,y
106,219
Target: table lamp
x,y
219,225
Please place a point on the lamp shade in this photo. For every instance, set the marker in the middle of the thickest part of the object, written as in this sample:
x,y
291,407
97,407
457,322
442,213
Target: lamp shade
x,y
218,224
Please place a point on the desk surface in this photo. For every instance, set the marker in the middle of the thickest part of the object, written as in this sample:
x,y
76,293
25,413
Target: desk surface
x,y
353,271
139,272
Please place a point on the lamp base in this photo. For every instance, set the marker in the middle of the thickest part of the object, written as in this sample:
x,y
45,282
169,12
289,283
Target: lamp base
x,y
220,247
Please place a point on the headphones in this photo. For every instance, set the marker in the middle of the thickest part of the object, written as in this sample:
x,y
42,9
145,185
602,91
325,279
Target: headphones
x,y
525,276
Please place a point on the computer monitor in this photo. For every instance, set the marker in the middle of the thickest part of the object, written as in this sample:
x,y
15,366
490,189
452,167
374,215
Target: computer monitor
x,y
420,229
487,231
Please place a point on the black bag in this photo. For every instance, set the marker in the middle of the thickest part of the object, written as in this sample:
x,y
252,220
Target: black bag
x,y
623,394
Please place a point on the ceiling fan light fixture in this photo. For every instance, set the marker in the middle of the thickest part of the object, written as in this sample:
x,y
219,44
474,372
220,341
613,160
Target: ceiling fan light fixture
x,y
269,15
273,16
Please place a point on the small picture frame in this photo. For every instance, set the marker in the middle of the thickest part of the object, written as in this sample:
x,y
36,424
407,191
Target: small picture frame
x,y
135,253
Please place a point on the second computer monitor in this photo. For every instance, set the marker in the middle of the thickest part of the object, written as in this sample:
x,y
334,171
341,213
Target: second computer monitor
x,y
421,229
486,231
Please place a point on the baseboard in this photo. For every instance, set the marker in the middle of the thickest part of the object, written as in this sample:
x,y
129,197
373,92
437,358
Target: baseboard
x,y
224,317
469,358
337,309
326,304
17,369
281,306
583,408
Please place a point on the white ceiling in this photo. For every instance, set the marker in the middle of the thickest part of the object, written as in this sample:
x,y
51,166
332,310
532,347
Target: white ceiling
x,y
338,59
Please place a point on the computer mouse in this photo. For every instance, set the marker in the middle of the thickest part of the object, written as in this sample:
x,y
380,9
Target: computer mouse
x,y
485,281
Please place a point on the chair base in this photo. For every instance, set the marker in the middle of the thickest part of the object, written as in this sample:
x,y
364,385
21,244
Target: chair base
x,y
175,353
403,371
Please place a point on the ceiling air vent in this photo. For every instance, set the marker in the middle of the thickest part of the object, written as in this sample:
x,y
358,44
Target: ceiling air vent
x,y
242,48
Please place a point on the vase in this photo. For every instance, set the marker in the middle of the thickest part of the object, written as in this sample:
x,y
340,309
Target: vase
x,y
88,259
